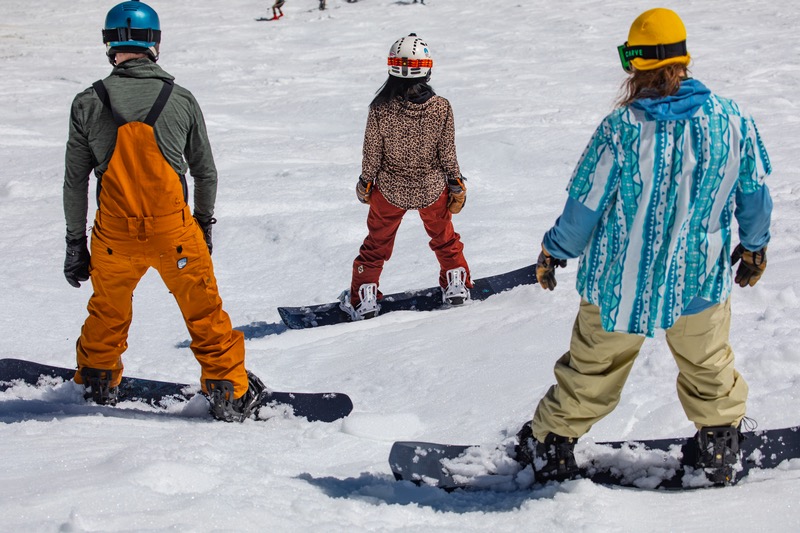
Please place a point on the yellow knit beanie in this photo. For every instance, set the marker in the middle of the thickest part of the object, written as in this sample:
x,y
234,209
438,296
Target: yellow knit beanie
x,y
657,26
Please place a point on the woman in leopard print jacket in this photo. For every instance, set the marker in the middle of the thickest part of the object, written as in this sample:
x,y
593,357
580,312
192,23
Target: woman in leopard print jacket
x,y
409,163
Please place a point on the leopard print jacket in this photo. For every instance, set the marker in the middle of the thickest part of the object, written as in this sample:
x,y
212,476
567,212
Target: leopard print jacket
x,y
410,151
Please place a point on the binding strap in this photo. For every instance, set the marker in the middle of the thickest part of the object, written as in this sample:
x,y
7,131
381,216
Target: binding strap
x,y
155,111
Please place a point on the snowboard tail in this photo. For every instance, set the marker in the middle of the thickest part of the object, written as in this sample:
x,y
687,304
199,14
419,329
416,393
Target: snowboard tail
x,y
643,464
314,406
420,300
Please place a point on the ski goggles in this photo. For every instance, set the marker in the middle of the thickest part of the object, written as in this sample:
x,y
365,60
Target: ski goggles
x,y
410,63
657,51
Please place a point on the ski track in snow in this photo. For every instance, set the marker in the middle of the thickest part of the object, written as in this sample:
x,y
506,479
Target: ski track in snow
x,y
285,104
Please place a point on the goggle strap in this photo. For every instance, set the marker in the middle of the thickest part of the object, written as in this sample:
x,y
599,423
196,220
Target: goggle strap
x,y
410,63
147,35
657,51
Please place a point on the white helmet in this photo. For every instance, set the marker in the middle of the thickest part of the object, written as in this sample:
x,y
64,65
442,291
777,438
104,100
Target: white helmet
x,y
409,57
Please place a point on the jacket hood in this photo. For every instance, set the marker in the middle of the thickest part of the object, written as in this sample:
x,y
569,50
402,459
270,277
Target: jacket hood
x,y
681,105
140,68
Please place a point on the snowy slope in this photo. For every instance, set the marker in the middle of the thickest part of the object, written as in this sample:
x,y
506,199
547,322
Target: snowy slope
x,y
285,103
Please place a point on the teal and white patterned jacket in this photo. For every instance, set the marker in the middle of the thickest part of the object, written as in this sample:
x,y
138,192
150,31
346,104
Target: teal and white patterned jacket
x,y
651,204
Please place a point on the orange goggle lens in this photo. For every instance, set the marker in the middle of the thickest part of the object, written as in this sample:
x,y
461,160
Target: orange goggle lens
x,y
410,63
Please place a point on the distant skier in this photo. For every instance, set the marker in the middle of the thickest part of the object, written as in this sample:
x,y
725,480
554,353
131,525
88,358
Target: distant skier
x,y
649,213
276,9
321,5
409,162
140,132
420,1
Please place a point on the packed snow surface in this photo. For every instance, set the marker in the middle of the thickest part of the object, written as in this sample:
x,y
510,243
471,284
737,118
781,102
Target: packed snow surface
x,y
285,104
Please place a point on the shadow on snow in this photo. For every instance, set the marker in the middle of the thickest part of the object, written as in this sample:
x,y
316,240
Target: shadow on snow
x,y
254,330
383,489
13,411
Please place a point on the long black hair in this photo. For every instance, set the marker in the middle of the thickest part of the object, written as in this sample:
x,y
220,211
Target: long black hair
x,y
412,89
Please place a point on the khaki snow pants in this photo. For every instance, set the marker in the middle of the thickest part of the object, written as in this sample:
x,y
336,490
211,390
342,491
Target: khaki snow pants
x,y
590,376
123,249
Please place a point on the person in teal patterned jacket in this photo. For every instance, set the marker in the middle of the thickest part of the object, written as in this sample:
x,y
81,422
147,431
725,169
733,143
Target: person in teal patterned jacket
x,y
650,209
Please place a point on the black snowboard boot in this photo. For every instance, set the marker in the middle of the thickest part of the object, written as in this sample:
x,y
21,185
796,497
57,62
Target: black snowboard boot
x,y
552,460
525,445
224,407
718,453
98,386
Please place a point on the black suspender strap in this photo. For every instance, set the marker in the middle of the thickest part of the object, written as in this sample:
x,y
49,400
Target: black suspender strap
x,y
102,93
155,111
159,104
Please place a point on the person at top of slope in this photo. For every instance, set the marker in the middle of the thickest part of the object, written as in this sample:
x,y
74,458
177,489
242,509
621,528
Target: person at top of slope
x,y
409,162
277,12
649,213
140,132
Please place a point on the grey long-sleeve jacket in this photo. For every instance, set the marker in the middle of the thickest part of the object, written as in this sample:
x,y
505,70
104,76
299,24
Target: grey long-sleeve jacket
x,y
180,133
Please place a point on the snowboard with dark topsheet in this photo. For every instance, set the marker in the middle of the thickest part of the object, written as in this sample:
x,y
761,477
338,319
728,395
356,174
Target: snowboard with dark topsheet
x,y
644,464
314,406
313,316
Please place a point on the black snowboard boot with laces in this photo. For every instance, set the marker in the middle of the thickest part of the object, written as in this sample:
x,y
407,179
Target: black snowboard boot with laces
x,y
98,387
718,453
552,460
223,405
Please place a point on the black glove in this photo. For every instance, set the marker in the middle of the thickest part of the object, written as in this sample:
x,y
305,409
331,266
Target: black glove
x,y
752,266
206,227
76,264
546,269
363,190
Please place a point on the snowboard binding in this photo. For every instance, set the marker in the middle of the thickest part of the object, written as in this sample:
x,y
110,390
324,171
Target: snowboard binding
x,y
98,387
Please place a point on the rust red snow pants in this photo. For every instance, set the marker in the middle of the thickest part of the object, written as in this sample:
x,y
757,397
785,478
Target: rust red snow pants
x,y
383,222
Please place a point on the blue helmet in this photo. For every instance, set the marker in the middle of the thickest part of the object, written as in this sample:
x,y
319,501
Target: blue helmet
x,y
132,26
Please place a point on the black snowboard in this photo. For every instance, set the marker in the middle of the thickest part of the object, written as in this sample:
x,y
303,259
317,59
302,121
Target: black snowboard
x,y
420,300
645,464
314,406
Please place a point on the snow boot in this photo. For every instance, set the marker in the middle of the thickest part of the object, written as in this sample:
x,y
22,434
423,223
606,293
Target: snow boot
x,y
227,409
367,307
456,292
98,386
718,453
552,460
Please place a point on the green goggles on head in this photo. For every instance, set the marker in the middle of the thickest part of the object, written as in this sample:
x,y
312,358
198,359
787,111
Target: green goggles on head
x,y
657,51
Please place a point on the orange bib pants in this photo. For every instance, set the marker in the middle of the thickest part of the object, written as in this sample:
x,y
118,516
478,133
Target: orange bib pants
x,y
143,221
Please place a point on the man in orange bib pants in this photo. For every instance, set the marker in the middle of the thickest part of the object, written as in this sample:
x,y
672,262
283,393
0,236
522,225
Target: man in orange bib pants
x,y
134,129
